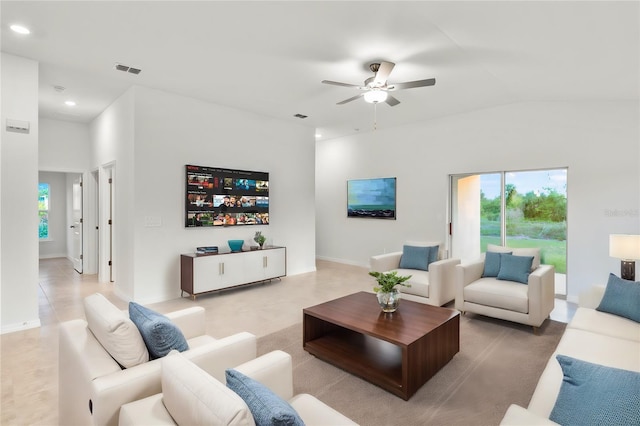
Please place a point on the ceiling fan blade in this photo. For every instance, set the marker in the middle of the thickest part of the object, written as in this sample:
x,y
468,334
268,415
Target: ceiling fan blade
x,y
391,100
350,99
412,84
383,73
337,83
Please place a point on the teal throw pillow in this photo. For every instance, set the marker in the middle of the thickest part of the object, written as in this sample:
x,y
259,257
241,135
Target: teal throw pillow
x,y
159,333
622,298
491,264
415,258
266,407
515,268
592,394
433,255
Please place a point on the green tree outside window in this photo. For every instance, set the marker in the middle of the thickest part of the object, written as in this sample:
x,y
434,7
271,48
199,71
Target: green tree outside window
x,y
43,210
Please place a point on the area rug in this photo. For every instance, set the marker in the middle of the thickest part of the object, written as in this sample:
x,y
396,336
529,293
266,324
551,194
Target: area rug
x,y
499,364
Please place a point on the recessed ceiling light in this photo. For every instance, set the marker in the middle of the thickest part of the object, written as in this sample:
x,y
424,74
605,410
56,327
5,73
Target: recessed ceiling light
x,y
20,29
318,135
69,103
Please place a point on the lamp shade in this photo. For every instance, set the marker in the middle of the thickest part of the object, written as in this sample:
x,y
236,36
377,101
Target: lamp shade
x,y
374,96
626,247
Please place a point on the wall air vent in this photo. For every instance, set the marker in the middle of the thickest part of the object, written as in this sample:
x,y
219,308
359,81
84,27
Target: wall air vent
x,y
126,68
300,116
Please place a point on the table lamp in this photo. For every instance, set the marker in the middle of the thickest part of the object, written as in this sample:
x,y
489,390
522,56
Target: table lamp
x,y
626,248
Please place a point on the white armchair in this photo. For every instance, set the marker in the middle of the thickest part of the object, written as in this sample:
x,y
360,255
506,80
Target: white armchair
x,y
191,397
93,386
529,303
435,286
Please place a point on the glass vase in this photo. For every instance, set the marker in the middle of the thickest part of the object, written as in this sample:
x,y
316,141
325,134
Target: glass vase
x,y
389,301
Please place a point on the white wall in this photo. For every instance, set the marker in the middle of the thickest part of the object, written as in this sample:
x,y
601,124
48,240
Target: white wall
x,y
172,131
597,141
64,146
19,202
112,140
56,245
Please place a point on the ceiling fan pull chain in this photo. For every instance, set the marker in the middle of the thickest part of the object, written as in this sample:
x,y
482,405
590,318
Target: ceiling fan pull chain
x,y
375,116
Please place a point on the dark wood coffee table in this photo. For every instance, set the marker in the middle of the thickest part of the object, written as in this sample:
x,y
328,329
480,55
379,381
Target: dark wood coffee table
x,y
398,352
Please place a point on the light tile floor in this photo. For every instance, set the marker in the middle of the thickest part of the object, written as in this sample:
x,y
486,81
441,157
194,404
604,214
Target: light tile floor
x,y
29,358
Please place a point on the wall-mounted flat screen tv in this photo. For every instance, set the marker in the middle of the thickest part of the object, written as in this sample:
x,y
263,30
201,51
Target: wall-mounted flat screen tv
x,y
216,196
372,198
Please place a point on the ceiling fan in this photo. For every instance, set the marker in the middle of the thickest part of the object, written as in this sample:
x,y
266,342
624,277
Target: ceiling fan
x,y
376,89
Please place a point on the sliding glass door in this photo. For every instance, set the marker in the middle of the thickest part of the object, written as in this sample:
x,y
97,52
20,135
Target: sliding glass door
x,y
516,209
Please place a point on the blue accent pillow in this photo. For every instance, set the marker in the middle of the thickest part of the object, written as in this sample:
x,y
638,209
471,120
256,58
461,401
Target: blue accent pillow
x,y
433,255
593,394
159,333
266,407
515,268
415,258
492,264
622,298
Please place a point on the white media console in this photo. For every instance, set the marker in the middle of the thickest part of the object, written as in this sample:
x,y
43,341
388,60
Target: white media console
x,y
204,273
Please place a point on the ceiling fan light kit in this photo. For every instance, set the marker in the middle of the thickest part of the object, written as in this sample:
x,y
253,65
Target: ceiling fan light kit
x,y
375,96
376,88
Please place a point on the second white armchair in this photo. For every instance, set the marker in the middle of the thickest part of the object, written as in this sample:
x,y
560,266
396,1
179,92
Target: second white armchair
x,y
501,286
432,282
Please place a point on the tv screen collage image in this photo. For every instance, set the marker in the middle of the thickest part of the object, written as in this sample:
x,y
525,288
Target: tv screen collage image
x,y
225,197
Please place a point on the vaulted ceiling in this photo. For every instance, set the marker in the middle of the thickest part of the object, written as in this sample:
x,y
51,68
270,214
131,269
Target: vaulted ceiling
x,y
270,57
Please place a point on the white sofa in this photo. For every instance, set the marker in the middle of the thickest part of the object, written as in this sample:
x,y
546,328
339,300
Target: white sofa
x,y
200,402
93,386
593,336
434,287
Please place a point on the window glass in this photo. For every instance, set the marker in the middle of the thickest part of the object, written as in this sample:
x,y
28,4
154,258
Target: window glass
x,y
43,210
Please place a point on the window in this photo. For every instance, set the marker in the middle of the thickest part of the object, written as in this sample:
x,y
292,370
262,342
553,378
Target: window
x,y
514,208
43,210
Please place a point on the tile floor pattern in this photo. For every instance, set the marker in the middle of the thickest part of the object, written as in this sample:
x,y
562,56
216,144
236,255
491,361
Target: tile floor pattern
x,y
29,359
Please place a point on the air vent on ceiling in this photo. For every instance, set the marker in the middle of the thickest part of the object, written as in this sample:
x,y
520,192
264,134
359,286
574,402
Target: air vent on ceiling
x,y
300,116
126,68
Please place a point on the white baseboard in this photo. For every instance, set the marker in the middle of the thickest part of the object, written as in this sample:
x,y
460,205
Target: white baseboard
x,y
343,261
20,326
53,256
573,299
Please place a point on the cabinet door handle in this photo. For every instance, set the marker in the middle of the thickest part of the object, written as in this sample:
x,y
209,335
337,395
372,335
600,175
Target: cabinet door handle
x,y
221,268
264,261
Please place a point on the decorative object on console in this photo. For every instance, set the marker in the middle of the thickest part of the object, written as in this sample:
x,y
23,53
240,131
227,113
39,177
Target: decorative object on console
x,y
388,294
259,238
627,249
235,245
207,250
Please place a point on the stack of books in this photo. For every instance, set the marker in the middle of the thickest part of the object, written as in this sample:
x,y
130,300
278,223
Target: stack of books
x,y
207,250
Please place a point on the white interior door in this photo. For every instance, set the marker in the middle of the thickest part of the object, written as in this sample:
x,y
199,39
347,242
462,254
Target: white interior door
x,y
77,223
